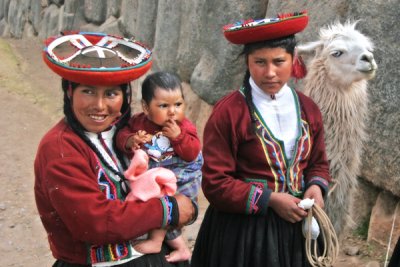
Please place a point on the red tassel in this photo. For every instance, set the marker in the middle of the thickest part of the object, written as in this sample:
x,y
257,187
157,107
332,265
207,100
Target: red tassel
x,y
299,70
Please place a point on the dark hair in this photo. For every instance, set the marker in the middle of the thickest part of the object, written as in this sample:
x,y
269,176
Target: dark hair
x,y
163,80
77,127
288,43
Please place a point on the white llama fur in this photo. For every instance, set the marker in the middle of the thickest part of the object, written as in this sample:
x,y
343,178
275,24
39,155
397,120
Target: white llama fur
x,y
337,82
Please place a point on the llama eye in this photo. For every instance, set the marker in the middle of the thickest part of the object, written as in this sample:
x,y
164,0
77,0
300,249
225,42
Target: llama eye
x,y
336,53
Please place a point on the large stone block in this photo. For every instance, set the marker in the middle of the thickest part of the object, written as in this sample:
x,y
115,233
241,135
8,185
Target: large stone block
x,y
218,71
50,22
17,16
4,4
167,35
95,11
385,220
129,16
145,26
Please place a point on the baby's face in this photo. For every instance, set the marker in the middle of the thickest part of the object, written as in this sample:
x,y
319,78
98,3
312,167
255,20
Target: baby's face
x,y
165,105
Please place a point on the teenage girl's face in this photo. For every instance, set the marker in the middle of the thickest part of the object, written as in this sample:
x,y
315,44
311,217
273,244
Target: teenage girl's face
x,y
97,107
270,68
164,106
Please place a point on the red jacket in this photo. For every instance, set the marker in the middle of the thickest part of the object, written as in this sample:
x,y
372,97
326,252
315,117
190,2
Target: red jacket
x,y
239,171
73,209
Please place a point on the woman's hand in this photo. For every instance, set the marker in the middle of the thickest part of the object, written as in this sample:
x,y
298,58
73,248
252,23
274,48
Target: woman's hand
x,y
285,205
314,192
186,209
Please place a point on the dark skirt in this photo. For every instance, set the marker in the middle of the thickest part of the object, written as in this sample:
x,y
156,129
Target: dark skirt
x,y
395,260
238,240
149,260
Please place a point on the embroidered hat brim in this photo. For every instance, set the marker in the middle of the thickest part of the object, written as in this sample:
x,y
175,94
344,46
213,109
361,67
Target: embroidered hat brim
x,y
251,31
96,58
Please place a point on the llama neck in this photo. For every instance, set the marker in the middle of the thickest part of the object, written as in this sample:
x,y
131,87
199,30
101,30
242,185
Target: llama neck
x,y
341,106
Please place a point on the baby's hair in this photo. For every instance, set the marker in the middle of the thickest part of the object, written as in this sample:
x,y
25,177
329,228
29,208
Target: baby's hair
x,y
164,80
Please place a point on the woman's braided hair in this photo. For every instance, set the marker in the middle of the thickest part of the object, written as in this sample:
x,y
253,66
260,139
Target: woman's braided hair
x,y
77,127
288,43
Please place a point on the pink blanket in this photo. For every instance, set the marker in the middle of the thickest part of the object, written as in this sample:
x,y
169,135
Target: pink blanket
x,y
146,184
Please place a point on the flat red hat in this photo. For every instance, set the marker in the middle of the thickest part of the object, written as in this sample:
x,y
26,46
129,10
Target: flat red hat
x,y
250,31
96,58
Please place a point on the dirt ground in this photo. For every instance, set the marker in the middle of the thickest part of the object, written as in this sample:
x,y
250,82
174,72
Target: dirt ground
x,y
30,104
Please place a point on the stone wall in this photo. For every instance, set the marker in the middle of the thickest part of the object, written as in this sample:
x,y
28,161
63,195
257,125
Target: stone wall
x,y
186,37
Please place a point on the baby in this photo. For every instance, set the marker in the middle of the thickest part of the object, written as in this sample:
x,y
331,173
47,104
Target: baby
x,y
171,141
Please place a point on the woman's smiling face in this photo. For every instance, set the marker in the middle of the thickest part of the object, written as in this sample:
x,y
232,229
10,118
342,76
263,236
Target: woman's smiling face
x,y
97,107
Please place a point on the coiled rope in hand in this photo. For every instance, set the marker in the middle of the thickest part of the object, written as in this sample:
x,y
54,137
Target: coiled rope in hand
x,y
327,255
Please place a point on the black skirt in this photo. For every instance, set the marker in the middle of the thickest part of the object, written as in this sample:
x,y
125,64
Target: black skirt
x,y
238,240
395,259
149,260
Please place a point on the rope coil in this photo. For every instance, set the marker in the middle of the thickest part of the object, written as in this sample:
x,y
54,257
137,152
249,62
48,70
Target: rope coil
x,y
330,243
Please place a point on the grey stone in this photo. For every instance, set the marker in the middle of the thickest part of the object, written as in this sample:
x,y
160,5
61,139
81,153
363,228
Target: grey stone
x,y
129,14
385,211
57,2
110,26
95,11
17,16
29,31
167,35
73,17
49,26
145,26
35,16
4,28
4,8
113,8
351,250
218,70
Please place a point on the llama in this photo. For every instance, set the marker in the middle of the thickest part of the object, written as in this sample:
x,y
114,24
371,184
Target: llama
x,y
337,82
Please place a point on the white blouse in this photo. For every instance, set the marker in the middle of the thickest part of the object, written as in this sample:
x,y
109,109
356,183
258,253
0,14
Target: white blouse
x,y
279,113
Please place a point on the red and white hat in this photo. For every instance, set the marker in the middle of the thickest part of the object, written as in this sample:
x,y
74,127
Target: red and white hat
x,y
250,31
96,58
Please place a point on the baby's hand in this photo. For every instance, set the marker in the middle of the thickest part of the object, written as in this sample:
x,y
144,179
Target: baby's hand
x,y
134,142
171,129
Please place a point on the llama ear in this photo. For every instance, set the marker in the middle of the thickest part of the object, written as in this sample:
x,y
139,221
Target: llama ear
x,y
308,48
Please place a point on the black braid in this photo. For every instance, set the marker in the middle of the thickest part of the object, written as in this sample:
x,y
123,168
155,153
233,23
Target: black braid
x,y
80,131
249,99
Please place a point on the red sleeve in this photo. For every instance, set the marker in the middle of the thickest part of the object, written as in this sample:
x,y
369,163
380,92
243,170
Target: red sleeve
x,y
123,136
187,145
317,171
220,183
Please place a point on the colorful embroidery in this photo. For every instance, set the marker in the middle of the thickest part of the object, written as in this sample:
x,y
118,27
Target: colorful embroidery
x,y
110,252
285,172
167,206
111,187
256,191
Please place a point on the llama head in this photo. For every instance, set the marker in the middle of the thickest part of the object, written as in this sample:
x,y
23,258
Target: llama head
x,y
346,53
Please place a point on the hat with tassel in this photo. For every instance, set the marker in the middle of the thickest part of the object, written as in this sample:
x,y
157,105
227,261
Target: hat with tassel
x,y
251,31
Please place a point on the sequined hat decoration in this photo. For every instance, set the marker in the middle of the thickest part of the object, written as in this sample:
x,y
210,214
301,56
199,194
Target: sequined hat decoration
x,y
96,58
250,31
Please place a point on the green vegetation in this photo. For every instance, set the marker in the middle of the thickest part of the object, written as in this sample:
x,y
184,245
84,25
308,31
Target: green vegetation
x,y
362,230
